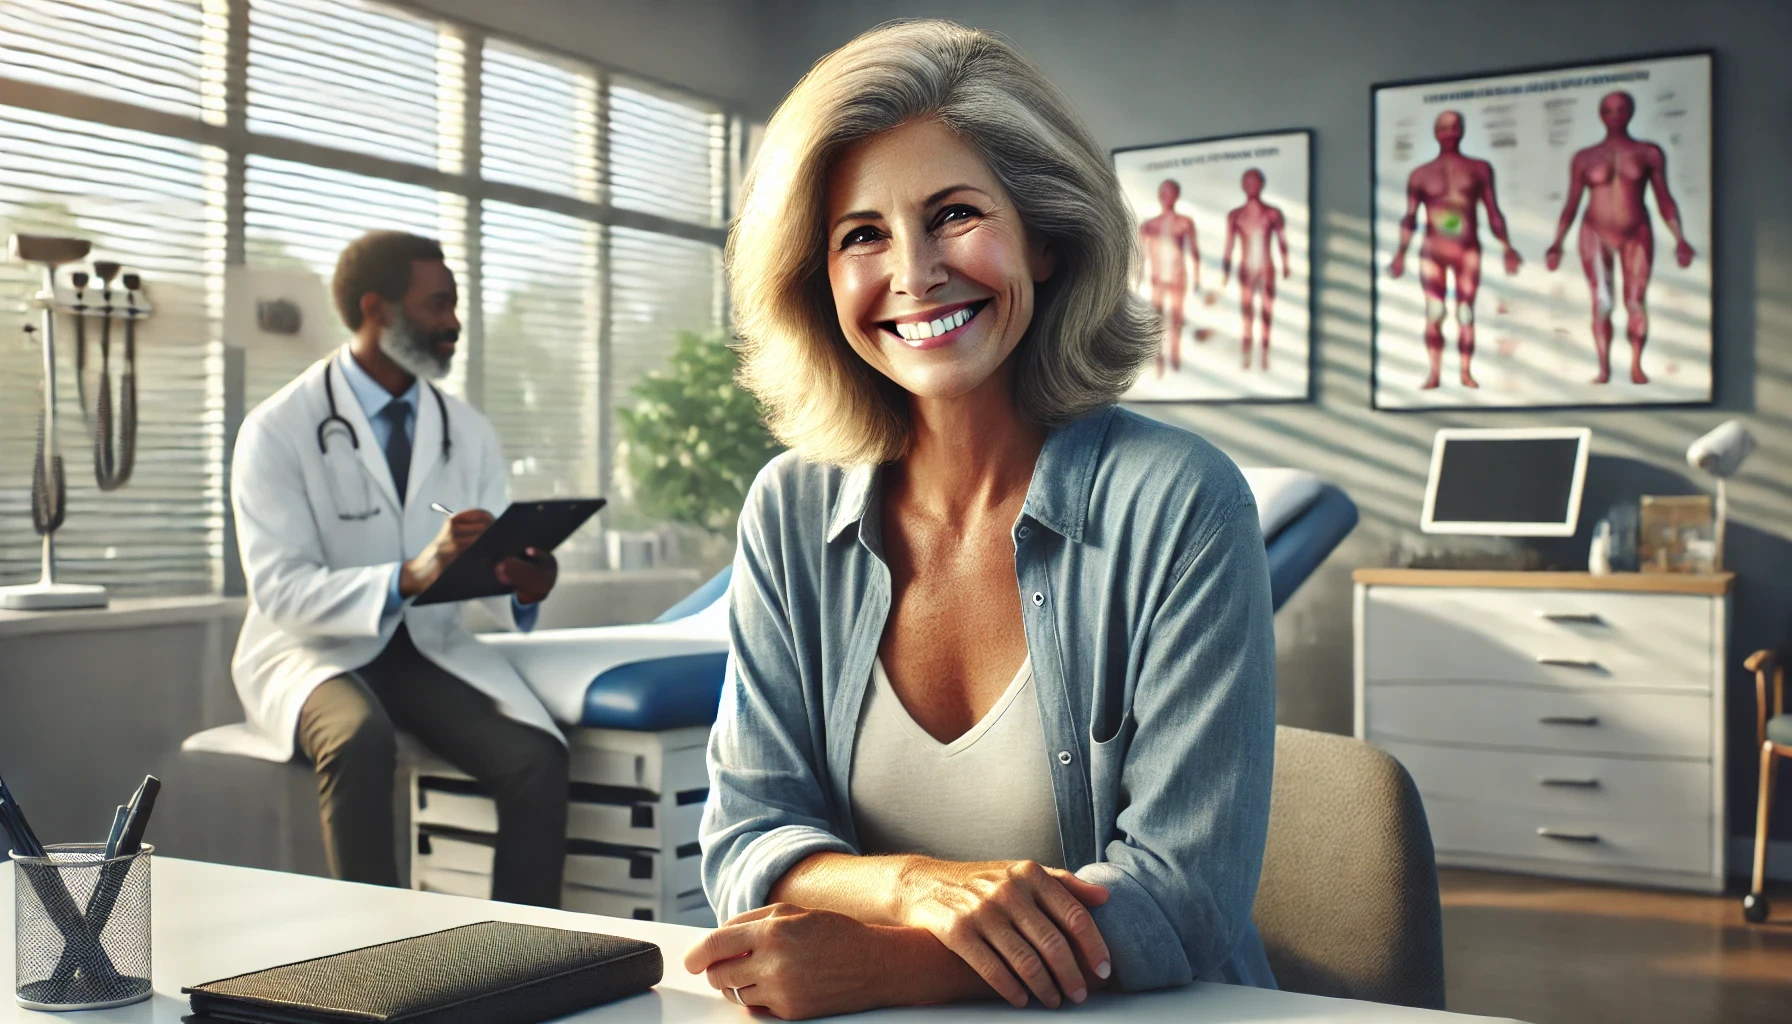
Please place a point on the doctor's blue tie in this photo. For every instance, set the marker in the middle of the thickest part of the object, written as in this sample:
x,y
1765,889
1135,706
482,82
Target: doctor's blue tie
x,y
397,414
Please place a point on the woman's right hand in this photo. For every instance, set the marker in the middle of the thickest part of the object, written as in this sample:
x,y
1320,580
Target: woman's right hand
x,y
1020,925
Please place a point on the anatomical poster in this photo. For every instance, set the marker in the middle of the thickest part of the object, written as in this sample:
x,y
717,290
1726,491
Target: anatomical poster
x,y
1543,239
1224,236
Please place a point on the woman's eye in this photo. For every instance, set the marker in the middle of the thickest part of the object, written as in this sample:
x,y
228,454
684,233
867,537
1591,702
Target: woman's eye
x,y
952,214
858,236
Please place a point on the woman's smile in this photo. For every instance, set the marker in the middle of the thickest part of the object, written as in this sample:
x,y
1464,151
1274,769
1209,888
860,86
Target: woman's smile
x,y
936,327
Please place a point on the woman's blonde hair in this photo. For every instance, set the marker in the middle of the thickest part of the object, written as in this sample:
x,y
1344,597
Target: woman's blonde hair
x,y
1089,335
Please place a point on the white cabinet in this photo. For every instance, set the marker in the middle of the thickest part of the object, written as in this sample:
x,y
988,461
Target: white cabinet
x,y
1554,723
636,803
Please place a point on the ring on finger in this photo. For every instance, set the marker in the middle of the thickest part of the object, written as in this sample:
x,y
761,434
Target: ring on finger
x,y
736,990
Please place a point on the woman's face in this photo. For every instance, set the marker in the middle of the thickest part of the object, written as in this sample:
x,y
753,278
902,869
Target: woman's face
x,y
931,269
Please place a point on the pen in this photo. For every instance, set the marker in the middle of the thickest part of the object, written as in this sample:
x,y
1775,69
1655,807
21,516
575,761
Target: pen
x,y
119,817
439,507
22,835
143,803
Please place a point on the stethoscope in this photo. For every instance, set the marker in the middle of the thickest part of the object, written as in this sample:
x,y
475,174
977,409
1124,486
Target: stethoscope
x,y
335,423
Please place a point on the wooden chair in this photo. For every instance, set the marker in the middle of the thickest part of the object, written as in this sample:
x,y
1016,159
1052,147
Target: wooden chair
x,y
1773,736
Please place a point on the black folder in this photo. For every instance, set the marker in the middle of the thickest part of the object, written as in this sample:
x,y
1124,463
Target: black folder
x,y
493,972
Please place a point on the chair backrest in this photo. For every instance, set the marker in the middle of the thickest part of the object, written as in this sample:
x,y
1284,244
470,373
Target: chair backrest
x,y
1347,904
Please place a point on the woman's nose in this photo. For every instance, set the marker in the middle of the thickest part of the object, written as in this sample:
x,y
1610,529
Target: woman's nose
x,y
918,268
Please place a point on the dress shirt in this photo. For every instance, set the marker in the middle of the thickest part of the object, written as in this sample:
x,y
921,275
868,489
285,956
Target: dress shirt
x,y
374,398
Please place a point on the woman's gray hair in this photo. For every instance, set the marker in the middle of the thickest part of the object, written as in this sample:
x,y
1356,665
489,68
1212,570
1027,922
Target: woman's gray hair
x,y
1089,336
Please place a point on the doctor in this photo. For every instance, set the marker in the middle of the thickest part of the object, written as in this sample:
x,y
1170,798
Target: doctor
x,y
331,483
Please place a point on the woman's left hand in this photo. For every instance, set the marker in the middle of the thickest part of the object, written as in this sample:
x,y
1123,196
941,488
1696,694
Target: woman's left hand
x,y
795,962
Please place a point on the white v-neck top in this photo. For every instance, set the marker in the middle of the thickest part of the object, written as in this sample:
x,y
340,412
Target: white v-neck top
x,y
987,795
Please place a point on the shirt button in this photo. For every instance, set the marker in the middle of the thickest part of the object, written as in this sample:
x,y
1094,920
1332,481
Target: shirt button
x,y
1038,599
1063,757
1025,532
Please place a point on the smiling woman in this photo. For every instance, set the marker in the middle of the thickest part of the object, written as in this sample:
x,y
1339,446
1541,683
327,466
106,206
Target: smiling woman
x,y
999,710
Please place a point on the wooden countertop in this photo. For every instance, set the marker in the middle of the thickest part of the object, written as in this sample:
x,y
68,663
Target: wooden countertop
x,y
1709,584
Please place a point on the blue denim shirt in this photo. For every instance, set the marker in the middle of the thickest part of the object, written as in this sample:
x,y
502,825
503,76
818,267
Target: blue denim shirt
x,y
1145,595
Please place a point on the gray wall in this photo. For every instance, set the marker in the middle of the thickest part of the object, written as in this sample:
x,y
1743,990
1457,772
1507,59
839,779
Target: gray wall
x,y
1154,72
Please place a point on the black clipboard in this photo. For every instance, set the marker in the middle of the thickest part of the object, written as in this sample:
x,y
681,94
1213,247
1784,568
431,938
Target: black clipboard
x,y
541,524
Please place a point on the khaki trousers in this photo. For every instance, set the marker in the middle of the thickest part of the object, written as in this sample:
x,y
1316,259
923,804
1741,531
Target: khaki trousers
x,y
348,730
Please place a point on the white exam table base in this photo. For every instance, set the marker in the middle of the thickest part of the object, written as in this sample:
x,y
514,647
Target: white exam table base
x,y
212,921
651,870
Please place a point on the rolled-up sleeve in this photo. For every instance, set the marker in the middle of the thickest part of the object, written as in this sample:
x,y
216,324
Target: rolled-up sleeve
x,y
1181,870
766,809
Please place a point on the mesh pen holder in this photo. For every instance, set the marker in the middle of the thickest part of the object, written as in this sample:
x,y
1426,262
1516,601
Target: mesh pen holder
x,y
81,928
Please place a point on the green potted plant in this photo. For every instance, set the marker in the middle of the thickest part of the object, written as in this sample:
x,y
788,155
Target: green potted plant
x,y
693,441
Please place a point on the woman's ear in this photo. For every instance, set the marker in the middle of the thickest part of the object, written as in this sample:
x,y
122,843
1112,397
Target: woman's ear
x,y
1041,261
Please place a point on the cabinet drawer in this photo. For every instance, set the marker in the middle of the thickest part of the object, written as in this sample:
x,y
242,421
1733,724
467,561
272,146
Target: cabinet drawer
x,y
1463,828
1560,784
1571,721
1537,636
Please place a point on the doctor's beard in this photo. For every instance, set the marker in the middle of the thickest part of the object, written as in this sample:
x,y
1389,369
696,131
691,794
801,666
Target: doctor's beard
x,y
414,352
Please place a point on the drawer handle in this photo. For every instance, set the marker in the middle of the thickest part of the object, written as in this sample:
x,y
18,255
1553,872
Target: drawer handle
x,y
1569,783
1569,720
1568,837
1586,618
1586,663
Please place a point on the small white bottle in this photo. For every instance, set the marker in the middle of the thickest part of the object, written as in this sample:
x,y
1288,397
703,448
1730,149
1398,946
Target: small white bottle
x,y
1599,553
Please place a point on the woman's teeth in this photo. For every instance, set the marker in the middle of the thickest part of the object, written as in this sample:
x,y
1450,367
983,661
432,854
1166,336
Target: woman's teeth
x,y
921,330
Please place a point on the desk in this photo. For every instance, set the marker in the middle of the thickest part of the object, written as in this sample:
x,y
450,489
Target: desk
x,y
214,921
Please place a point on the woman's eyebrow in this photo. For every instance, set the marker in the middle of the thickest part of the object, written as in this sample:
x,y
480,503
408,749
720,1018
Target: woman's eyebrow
x,y
949,189
856,215
931,200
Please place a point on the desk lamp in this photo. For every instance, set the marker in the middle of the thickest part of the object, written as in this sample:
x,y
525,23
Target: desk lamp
x,y
1721,453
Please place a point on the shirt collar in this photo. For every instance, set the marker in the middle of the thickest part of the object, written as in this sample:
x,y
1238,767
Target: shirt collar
x,y
1058,497
369,392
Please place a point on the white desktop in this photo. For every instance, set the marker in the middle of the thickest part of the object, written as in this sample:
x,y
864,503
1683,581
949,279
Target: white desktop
x,y
212,921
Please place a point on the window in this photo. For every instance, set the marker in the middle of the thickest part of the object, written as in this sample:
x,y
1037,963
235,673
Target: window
x,y
582,216
356,76
542,316
660,286
166,55
539,122
666,155
154,205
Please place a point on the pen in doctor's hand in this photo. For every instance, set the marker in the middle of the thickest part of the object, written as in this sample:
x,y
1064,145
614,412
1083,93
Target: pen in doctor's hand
x,y
439,507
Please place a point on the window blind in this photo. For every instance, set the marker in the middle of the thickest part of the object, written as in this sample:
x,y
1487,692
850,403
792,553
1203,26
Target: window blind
x,y
155,206
659,285
365,83
542,314
296,221
166,55
667,156
538,121
357,76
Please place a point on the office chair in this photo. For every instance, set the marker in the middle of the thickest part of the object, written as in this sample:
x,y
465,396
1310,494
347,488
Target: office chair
x,y
1347,904
1773,738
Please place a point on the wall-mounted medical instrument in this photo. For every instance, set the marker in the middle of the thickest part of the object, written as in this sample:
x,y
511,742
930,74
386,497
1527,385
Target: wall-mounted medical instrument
x,y
114,428
113,455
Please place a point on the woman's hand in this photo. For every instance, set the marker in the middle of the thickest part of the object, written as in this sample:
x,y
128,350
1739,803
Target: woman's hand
x,y
1021,926
797,963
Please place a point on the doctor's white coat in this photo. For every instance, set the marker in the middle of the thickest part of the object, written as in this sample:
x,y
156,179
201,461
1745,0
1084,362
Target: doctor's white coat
x,y
318,583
